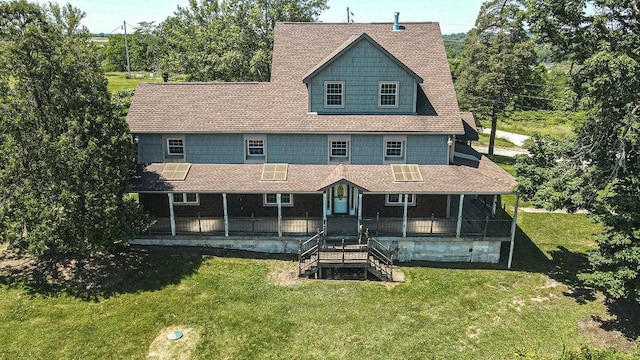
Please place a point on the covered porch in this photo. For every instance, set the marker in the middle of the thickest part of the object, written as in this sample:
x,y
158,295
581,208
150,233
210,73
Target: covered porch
x,y
479,216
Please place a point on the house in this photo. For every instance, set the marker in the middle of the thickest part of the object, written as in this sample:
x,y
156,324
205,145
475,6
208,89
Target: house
x,y
358,130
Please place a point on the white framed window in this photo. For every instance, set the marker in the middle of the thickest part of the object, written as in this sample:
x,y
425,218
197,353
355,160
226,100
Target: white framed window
x,y
339,149
395,149
186,199
272,199
388,94
255,148
398,200
334,94
175,146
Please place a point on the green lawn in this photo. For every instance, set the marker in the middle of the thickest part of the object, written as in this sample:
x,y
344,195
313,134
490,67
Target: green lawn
x,y
237,310
559,130
503,143
118,81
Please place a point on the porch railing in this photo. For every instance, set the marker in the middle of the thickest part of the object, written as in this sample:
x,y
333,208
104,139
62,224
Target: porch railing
x,y
237,226
489,227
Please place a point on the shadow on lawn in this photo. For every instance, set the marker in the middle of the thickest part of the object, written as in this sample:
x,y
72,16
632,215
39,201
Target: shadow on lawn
x,y
91,278
564,267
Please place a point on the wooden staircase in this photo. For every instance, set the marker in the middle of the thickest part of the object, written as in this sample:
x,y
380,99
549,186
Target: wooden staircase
x,y
316,256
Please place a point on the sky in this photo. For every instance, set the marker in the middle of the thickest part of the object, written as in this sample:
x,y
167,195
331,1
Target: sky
x,y
107,16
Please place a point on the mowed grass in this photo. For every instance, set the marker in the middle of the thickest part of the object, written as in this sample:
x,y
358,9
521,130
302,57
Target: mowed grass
x,y
118,81
503,143
240,312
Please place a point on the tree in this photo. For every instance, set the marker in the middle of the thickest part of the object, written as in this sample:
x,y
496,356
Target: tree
x,y
66,156
230,40
142,50
601,39
498,62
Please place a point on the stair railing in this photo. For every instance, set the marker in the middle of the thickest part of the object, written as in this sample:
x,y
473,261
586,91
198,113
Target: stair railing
x,y
380,257
306,250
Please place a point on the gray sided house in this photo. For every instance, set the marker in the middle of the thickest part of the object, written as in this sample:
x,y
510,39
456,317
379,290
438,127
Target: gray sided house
x,y
358,136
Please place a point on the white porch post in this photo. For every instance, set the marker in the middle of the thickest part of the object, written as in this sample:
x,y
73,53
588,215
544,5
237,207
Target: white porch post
x,y
355,198
404,215
226,214
172,218
514,224
495,203
459,226
279,201
324,212
359,211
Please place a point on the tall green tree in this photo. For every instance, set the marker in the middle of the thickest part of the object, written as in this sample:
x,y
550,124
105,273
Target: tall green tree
x,y
65,155
601,39
143,49
498,62
228,40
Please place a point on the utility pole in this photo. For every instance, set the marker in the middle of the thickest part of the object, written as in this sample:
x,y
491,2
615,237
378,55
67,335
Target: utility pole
x,y
349,15
126,48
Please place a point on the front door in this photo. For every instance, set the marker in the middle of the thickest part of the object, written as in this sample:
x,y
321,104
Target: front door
x,y
340,199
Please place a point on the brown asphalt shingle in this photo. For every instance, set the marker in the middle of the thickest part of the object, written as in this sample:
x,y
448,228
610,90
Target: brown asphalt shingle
x,y
281,105
487,178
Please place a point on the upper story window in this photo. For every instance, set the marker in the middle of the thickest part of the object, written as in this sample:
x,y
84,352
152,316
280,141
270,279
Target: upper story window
x,y
272,200
175,147
255,149
186,199
334,94
398,200
388,94
394,148
339,149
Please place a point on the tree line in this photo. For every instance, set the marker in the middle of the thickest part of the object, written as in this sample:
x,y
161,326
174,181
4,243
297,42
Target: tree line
x,y
211,40
598,169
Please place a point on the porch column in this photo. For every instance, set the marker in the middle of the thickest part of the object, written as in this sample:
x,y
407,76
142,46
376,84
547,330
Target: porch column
x,y
226,214
404,215
324,212
279,201
514,224
172,218
495,203
359,212
459,226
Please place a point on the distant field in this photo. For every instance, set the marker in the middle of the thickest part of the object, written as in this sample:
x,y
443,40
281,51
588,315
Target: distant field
x,y
99,39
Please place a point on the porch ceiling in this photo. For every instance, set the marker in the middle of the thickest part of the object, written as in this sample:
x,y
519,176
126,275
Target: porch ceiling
x,y
483,178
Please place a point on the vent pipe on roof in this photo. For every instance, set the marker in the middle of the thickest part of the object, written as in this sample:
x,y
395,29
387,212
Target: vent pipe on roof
x,y
396,23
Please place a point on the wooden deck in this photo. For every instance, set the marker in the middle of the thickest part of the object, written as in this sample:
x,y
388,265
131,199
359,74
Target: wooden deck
x,y
371,258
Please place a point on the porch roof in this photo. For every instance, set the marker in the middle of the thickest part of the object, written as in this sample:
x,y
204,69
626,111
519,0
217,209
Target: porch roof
x,y
482,178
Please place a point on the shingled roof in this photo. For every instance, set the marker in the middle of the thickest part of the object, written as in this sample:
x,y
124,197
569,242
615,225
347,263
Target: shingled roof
x,y
484,178
281,106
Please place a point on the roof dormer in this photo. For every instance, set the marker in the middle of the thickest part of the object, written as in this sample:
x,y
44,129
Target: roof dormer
x,y
362,77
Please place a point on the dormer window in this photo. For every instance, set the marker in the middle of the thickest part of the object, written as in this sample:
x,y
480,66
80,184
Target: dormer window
x,y
388,94
334,94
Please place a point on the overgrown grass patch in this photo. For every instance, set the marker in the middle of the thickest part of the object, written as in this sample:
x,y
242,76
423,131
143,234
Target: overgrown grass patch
x,y
239,311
